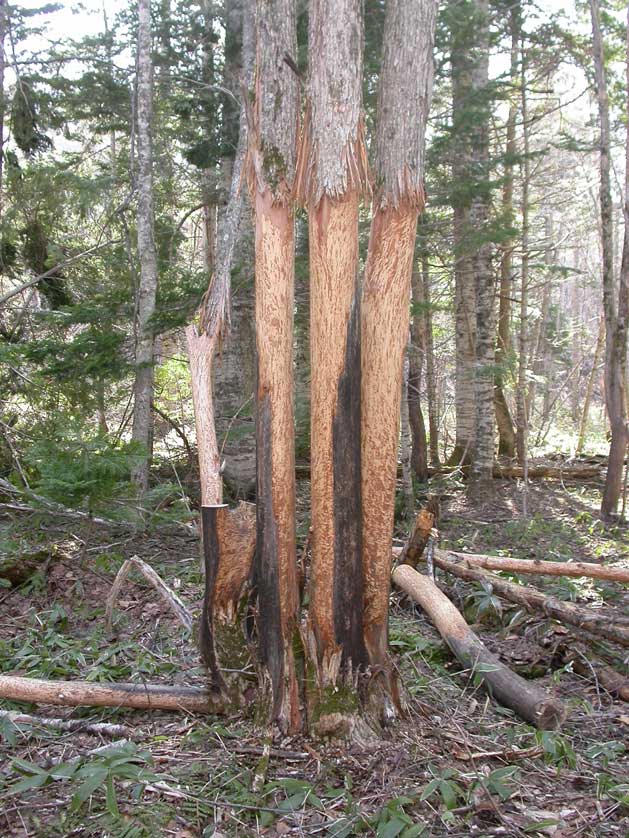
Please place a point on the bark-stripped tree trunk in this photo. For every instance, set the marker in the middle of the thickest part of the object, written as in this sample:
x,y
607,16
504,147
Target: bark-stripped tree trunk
x,y
615,314
403,104
332,176
147,289
482,463
271,172
228,535
504,422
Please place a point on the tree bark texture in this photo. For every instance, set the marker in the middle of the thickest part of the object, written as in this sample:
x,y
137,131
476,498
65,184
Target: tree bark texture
x,y
615,314
331,177
462,62
416,355
531,703
272,151
147,289
431,383
481,472
504,422
403,104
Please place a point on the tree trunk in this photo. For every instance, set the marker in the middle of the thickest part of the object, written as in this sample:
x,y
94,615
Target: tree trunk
x,y
482,463
615,314
589,390
403,103
271,173
147,290
416,355
331,177
431,384
504,422
3,31
463,58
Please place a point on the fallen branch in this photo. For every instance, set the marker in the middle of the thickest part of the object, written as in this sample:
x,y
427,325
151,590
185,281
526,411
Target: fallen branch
x,y
89,694
531,703
80,725
572,569
533,600
50,507
589,666
171,598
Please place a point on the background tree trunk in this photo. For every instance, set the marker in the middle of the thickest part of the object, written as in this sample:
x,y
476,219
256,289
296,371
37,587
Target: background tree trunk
x,y
504,422
147,290
416,355
482,463
615,313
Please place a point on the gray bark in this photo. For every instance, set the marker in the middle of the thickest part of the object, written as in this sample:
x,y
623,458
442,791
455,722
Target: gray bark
x,y
616,315
404,100
331,161
147,289
483,274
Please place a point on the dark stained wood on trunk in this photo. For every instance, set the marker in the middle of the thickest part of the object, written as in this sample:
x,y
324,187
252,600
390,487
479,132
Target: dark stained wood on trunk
x,y
348,578
228,547
265,580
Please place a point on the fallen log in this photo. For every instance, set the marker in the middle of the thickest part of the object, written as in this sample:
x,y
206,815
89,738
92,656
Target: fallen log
x,y
572,569
90,694
416,544
589,666
531,703
533,600
80,725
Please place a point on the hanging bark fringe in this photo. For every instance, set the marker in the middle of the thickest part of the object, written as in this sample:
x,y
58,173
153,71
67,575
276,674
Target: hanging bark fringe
x,y
531,703
572,569
229,537
424,522
533,600
89,694
171,598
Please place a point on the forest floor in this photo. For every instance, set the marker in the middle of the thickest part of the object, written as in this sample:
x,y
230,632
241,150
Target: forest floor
x,y
457,765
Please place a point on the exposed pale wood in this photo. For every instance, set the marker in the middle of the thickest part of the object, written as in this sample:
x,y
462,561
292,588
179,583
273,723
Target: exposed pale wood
x,y
201,349
424,522
404,96
151,575
272,153
91,694
533,600
531,703
572,569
